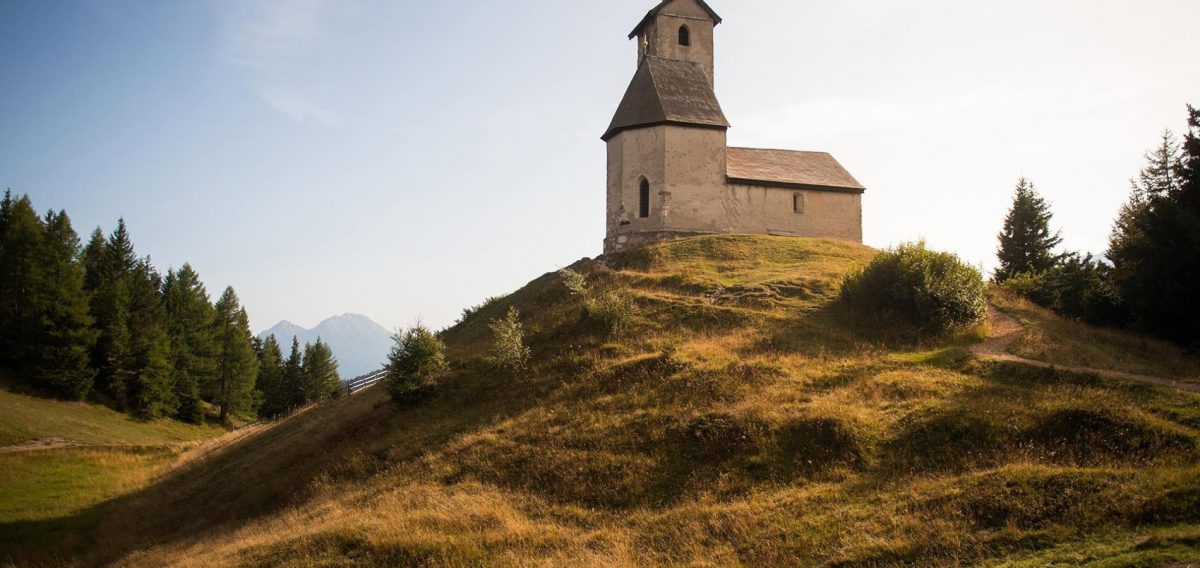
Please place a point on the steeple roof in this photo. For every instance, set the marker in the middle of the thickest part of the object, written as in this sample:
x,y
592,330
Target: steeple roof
x,y
666,91
655,10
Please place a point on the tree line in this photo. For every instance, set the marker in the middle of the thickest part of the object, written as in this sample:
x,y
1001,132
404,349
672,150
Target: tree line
x,y
1148,277
96,321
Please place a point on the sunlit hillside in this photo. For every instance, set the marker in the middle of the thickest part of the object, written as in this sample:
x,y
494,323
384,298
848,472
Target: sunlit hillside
x,y
744,418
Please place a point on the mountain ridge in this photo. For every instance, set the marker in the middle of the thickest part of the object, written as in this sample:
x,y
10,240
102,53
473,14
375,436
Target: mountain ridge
x,y
359,343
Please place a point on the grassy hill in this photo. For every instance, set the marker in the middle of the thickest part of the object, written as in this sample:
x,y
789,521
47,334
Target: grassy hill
x,y
741,421
60,459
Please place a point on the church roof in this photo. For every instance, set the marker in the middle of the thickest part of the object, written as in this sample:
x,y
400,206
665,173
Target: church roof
x,y
790,169
666,91
655,10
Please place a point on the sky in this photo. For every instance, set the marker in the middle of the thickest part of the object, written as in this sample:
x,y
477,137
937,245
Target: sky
x,y
406,159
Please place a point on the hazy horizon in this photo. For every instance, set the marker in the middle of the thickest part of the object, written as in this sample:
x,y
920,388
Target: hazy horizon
x,y
403,160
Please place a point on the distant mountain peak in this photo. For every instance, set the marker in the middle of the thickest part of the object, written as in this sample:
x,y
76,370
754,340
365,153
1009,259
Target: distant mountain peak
x,y
359,344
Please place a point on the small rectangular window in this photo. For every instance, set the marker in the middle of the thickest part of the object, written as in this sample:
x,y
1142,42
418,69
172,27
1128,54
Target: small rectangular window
x,y
798,203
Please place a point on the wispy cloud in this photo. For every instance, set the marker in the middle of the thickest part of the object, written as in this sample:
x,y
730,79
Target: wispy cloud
x,y
299,108
271,40
264,33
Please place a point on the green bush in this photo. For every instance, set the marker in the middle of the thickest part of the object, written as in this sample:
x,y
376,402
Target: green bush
x,y
611,308
508,342
929,290
1077,286
417,358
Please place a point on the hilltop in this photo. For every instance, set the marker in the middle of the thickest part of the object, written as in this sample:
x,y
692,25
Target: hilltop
x,y
744,419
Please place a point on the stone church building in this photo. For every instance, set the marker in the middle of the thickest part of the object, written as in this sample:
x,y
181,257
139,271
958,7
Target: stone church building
x,y
670,171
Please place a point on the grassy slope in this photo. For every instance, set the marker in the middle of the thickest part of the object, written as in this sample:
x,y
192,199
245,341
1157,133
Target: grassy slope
x,y
739,423
1053,339
25,418
117,455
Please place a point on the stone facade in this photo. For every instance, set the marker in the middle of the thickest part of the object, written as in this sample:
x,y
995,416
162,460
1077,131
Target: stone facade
x,y
670,171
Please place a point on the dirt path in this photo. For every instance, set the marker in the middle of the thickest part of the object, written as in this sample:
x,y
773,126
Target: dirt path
x,y
39,445
1007,329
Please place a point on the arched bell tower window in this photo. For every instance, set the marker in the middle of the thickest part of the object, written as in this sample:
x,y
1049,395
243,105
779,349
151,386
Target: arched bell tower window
x,y
644,199
685,36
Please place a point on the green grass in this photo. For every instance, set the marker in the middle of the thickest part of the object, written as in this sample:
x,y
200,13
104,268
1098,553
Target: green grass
x,y
25,418
742,421
1062,341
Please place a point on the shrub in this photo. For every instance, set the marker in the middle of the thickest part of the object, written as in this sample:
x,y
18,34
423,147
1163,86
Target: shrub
x,y
929,290
416,359
613,309
1077,286
576,282
508,342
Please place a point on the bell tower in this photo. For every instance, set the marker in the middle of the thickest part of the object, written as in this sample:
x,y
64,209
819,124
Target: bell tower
x,y
680,30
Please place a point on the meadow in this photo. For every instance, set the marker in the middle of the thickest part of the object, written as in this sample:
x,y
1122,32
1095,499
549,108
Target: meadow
x,y
744,418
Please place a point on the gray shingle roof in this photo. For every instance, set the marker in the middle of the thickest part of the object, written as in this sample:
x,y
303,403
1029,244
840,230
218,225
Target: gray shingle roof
x,y
655,10
665,91
787,168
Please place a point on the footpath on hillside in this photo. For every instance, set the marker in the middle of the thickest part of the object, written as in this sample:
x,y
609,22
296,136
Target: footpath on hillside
x,y
1006,329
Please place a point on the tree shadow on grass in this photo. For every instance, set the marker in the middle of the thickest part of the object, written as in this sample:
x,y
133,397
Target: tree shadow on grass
x,y
264,473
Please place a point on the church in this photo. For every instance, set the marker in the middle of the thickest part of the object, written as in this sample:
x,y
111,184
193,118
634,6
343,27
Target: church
x,y
670,171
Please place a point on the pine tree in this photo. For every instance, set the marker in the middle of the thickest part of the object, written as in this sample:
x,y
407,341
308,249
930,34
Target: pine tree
x,y
416,359
65,337
1026,243
92,260
110,279
147,366
1155,249
189,314
20,282
271,370
232,389
293,377
320,372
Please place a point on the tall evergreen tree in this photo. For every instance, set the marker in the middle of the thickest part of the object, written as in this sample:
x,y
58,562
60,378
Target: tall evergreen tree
x,y
294,387
1155,249
1026,243
147,365
232,389
320,372
92,259
271,370
20,280
189,315
65,338
111,276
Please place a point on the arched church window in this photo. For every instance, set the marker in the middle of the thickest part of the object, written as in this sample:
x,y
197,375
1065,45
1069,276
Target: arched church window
x,y
644,199
685,36
798,203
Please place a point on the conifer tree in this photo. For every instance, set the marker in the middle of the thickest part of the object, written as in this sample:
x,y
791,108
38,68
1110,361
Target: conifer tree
x,y
147,364
1026,243
1157,256
20,281
111,274
92,260
320,372
232,389
417,357
189,315
65,338
271,370
293,377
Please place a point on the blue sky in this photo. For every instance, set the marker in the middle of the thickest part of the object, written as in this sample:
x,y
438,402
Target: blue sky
x,y
406,159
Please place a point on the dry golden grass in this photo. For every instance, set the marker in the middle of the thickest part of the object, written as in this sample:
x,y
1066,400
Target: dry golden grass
x,y
1061,341
741,422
